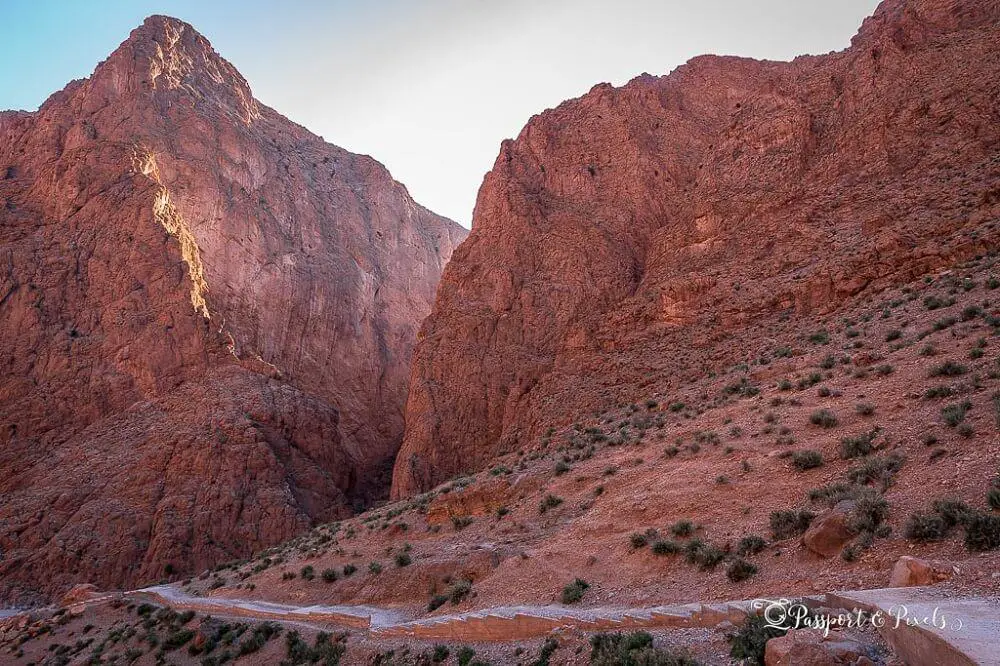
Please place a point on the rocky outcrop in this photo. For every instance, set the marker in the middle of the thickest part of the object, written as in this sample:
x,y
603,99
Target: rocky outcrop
x,y
811,646
914,572
829,533
625,237
208,315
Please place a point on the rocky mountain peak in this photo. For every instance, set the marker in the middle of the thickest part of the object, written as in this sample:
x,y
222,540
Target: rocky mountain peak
x,y
208,315
168,57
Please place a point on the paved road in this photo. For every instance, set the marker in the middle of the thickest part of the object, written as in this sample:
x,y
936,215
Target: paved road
x,y
969,639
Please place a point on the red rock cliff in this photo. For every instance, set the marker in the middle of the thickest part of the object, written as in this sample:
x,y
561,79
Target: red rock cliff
x,y
207,313
624,229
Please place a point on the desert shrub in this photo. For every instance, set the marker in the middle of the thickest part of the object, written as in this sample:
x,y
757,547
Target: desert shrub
x,y
954,414
465,655
948,369
460,589
823,418
860,445
739,570
870,513
329,575
925,527
665,547
982,532
828,362
550,502
743,388
878,469
374,568
864,409
953,512
349,569
638,540
747,644
307,572
704,554
632,649
894,334
935,392
832,493
933,302
573,592
459,523
548,648
993,498
786,524
750,545
820,337
403,560
804,460
436,602
176,639
259,637
682,528
813,379
561,468
971,312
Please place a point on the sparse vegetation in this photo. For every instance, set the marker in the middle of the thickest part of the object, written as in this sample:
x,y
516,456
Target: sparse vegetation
x,y
954,414
573,592
982,532
632,649
550,502
704,554
786,524
864,409
948,369
879,469
747,644
860,445
739,570
823,418
925,527
682,528
750,545
665,547
805,460
820,337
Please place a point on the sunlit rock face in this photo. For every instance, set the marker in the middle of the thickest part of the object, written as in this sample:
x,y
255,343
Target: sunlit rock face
x,y
207,317
624,238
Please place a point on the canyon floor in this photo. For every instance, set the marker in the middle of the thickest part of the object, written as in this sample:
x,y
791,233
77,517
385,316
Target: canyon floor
x,y
885,414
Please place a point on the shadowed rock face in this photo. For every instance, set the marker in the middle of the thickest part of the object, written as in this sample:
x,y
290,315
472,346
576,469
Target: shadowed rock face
x,y
207,313
625,237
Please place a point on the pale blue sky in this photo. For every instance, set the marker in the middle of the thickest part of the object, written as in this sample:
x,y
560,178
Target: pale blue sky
x,y
428,87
